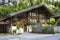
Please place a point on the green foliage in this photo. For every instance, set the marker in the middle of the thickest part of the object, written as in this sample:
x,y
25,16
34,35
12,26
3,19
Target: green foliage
x,y
32,23
7,9
14,31
19,26
32,26
44,28
45,24
5,34
4,10
57,31
52,20
58,23
56,5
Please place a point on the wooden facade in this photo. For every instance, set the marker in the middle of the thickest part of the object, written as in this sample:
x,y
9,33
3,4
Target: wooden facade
x,y
37,14
4,27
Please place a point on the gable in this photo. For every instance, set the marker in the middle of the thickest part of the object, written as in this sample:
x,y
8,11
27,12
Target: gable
x,y
42,9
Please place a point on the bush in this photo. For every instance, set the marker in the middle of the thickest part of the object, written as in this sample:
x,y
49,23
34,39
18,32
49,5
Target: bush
x,y
32,26
14,31
19,26
7,9
57,32
44,28
58,23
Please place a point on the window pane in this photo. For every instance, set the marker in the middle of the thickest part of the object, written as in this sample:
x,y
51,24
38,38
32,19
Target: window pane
x,y
33,20
33,14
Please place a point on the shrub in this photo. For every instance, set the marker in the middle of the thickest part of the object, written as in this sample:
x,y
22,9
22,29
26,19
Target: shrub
x,y
19,26
58,23
32,26
44,28
14,31
57,31
32,23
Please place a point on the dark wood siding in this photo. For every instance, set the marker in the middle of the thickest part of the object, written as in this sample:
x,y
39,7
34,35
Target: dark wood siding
x,y
4,28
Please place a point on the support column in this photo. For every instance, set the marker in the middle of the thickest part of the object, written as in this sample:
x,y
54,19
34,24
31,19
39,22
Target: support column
x,y
27,21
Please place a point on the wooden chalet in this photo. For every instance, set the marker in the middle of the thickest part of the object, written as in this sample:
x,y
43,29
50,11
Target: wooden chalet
x,y
35,14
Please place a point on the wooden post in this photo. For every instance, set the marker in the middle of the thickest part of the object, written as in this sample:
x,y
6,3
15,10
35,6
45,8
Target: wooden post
x,y
27,18
10,25
38,16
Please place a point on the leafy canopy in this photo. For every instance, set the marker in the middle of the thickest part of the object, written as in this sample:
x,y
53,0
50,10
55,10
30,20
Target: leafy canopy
x,y
54,6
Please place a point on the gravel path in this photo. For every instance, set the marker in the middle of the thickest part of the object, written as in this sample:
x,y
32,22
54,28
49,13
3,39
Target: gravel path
x,y
32,36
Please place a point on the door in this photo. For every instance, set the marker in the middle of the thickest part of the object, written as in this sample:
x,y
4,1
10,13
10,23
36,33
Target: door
x,y
25,28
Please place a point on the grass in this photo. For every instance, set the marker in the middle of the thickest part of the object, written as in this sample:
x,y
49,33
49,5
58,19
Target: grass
x,y
5,34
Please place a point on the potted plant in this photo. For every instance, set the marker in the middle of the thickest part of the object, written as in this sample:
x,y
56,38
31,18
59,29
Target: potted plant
x,y
14,31
19,28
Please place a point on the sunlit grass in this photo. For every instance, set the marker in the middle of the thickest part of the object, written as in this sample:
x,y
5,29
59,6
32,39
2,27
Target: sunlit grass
x,y
5,34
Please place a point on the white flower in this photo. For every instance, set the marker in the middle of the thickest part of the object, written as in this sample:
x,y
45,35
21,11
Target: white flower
x,y
11,4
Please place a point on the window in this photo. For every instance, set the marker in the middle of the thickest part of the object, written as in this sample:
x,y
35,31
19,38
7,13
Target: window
x,y
14,19
32,14
33,20
6,1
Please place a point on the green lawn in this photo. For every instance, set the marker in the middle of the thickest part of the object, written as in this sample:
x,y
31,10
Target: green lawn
x,y
4,34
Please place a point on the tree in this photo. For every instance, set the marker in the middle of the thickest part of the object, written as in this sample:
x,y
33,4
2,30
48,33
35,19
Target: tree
x,y
53,6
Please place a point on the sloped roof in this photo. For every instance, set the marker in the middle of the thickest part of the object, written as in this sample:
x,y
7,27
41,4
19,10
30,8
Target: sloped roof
x,y
24,10
56,15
